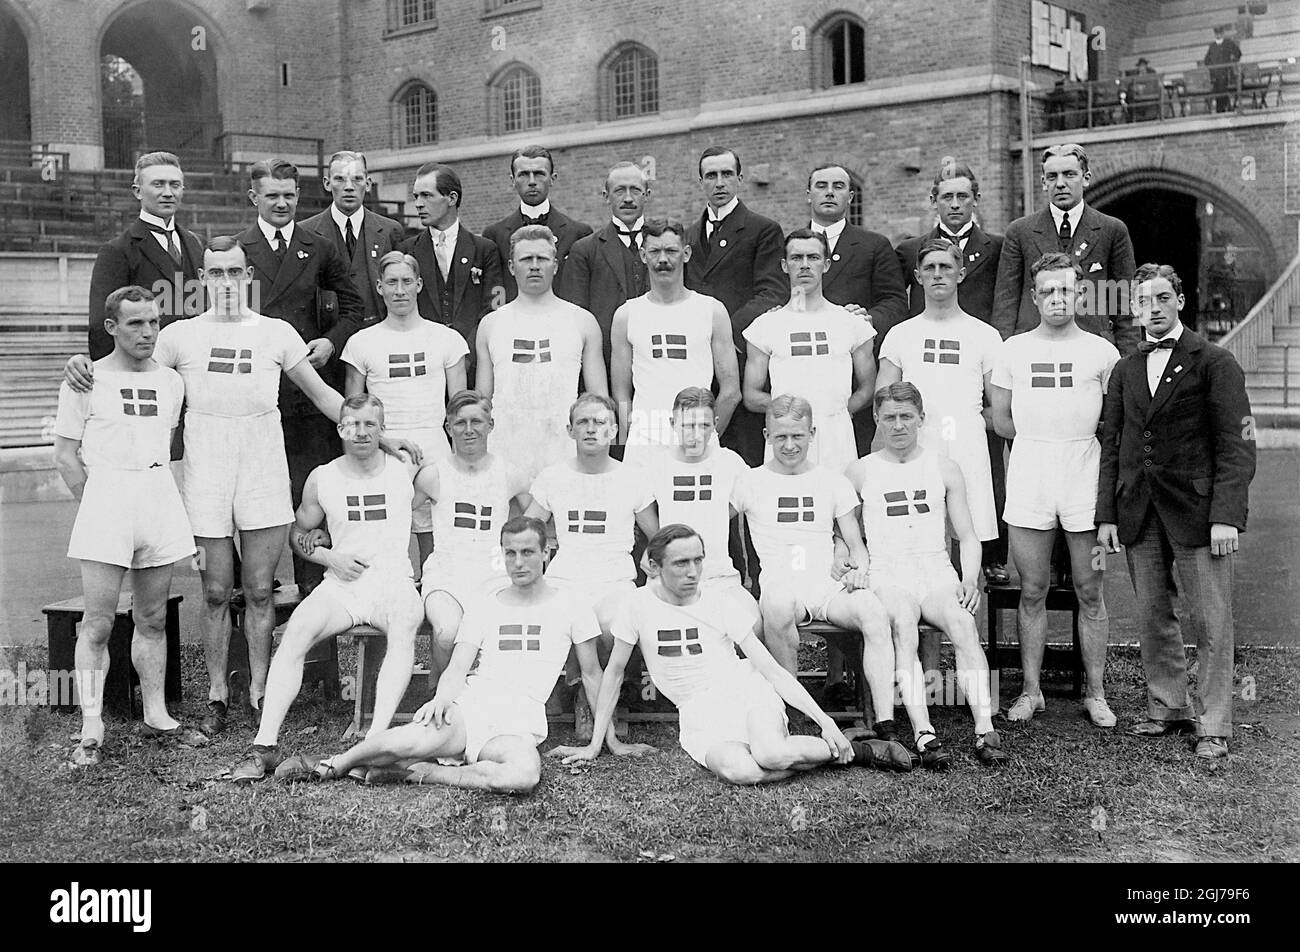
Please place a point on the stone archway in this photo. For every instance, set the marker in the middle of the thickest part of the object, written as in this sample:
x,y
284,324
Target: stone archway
x,y
15,79
173,48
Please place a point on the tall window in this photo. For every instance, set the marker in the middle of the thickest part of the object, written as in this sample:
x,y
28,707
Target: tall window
x,y
418,115
411,14
845,47
633,83
519,100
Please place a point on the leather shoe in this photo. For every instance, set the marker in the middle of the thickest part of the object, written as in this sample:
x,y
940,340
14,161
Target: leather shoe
x,y
1162,728
214,722
254,766
882,754
885,730
180,734
1212,748
996,574
988,749
933,756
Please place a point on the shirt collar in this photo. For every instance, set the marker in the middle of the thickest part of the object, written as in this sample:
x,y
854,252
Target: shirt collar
x,y
357,218
965,229
724,211
535,211
158,222
636,225
268,231
1075,214
1174,335
832,232
452,232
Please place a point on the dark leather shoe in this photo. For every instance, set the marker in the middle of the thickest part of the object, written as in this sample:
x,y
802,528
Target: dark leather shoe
x,y
988,749
933,756
259,760
1212,748
885,730
1162,728
882,754
996,574
214,722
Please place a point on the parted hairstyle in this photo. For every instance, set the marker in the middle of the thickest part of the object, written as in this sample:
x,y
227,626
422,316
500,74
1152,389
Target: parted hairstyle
x,y
655,227
132,292
1149,271
940,243
525,524
1055,261
398,257
532,233
532,152
667,535
155,158
274,169
359,401
600,398
788,405
805,233
901,392
445,180
467,398
950,168
713,150
693,398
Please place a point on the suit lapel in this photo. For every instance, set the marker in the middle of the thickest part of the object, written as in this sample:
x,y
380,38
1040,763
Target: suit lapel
x,y
368,248
977,251
193,252
1182,359
262,260
422,251
153,252
462,260
725,237
843,256
612,248
301,248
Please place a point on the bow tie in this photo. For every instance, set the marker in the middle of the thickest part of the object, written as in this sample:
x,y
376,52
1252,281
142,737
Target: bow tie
x,y
539,220
1146,346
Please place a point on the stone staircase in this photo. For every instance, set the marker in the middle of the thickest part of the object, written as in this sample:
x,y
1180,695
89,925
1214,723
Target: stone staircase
x,y
1274,384
1175,41
31,369
1267,345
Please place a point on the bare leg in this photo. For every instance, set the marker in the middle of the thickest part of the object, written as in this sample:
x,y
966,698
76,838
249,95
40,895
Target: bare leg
x,y
444,614
862,611
399,625
905,616
150,588
506,764
1094,624
734,763
940,608
775,750
781,613
217,574
260,551
100,586
409,742
1032,549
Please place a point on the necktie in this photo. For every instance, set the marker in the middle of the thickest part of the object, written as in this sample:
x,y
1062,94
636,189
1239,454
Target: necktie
x,y
1146,346
631,234
539,220
959,239
1064,234
440,251
173,246
350,239
280,246
710,227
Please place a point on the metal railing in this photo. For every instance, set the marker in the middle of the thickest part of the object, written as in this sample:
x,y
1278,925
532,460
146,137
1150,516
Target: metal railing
x,y
1256,329
128,132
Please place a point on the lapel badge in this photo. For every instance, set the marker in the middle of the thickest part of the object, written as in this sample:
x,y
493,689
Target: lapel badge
x,y
302,254
835,257
1083,246
974,255
1178,368
722,242
464,261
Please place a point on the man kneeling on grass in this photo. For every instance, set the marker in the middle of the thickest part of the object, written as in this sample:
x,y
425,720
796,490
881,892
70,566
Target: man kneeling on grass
x,y
494,719
732,710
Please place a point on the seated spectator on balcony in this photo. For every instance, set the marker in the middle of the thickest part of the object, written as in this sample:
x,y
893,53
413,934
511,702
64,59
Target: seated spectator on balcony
x,y
1221,58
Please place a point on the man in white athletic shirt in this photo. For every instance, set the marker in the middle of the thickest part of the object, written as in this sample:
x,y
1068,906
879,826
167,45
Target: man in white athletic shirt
x,y
908,493
949,355
235,476
365,498
1048,385
793,509
412,365
732,711
474,493
815,349
665,340
694,482
533,352
493,719
112,447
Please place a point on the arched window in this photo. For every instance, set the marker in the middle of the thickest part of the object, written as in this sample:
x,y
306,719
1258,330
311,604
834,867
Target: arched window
x,y
417,116
843,44
411,15
518,95
631,83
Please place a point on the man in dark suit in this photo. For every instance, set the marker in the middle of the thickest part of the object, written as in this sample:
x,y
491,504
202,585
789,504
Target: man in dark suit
x,y
291,267
1221,59
1177,457
532,173
461,270
736,258
1099,244
605,269
954,196
154,252
360,236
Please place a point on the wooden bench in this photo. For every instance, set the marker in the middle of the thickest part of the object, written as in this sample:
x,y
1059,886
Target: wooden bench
x,y
372,647
61,622
322,660
1055,657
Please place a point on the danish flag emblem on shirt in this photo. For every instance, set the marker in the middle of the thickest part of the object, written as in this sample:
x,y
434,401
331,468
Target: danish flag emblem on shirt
x,y
367,508
896,503
470,516
672,641
587,521
519,638
527,351
942,351
672,346
139,403
406,365
692,488
794,509
1051,375
808,344
227,360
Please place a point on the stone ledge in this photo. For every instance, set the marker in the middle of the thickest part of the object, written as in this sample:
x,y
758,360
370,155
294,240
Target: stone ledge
x,y
28,474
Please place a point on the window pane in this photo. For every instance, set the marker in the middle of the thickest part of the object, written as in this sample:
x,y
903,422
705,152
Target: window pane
x,y
837,43
533,119
624,86
649,83
856,39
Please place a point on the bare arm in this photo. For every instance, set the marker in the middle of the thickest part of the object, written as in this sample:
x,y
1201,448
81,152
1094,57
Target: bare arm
x,y
864,375
620,370
593,358
725,368
796,695
67,460
964,529
354,381
1000,398
457,377
611,683
483,381
889,373
757,398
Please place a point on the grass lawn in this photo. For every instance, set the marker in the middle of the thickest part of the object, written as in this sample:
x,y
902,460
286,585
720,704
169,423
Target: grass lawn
x,y
1068,792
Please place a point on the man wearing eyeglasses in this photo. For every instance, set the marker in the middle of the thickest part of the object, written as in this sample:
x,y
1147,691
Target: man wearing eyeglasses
x,y
1097,243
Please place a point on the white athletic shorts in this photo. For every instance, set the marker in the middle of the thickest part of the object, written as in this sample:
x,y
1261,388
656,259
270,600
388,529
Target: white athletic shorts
x,y
379,597
464,587
915,575
486,713
1047,482
236,474
131,518
596,595
812,593
721,714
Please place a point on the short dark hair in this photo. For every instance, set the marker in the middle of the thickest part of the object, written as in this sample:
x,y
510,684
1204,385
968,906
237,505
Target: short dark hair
x,y
665,537
903,391
802,234
830,164
1069,148
532,152
940,243
272,168
1150,271
656,227
1054,261
359,401
693,398
951,168
521,524
467,398
132,292
445,180
713,150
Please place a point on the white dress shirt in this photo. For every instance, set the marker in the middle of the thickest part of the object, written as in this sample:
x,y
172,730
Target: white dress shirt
x,y
1074,214
535,211
444,246
357,218
168,226
1158,359
268,230
963,236
715,218
832,232
623,234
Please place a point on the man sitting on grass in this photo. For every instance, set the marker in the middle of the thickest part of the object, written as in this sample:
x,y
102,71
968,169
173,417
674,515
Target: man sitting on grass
x,y
732,710
494,719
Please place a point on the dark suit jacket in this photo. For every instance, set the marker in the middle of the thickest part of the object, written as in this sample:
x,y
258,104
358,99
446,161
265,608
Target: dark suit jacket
x,y
744,269
288,290
863,269
135,257
567,230
471,298
594,278
1184,451
379,235
1102,248
975,293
